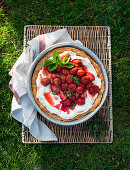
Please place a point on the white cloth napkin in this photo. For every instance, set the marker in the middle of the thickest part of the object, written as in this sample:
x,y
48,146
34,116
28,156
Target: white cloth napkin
x,y
22,108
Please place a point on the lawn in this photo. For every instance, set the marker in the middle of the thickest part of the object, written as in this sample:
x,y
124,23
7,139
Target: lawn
x,y
14,15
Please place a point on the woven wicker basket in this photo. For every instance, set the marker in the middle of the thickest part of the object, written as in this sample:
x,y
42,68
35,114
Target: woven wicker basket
x,y
99,129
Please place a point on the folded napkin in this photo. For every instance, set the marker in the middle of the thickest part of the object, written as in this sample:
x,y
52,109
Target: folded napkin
x,y
22,108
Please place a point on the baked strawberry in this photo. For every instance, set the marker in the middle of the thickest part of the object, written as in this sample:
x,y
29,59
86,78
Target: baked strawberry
x,y
54,76
52,81
67,102
69,79
90,76
64,86
88,85
80,68
76,95
94,89
45,81
85,68
63,78
82,85
72,88
55,88
73,97
77,62
57,81
74,70
80,73
79,89
84,95
85,79
62,96
80,101
65,72
59,68
46,69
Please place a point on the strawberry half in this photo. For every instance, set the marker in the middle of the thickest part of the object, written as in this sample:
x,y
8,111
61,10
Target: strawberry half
x,y
80,101
80,73
67,102
77,62
88,85
94,89
90,76
64,87
55,88
62,96
85,79
84,95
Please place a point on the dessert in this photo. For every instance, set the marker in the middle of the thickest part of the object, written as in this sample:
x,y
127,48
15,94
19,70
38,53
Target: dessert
x,y
67,84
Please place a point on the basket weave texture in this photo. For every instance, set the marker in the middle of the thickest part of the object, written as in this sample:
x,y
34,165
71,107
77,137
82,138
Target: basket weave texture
x,y
98,129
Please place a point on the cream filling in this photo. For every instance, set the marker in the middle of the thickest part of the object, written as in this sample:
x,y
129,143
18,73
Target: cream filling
x,y
89,100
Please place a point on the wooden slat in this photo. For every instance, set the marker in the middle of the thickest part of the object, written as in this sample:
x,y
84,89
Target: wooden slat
x,y
97,39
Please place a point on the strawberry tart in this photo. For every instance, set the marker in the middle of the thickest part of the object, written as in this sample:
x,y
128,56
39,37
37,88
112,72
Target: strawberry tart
x,y
67,84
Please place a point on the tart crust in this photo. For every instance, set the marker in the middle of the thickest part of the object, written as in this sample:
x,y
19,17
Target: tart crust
x,y
79,53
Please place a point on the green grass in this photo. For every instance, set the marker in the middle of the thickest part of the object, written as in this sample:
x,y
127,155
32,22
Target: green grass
x,y
13,16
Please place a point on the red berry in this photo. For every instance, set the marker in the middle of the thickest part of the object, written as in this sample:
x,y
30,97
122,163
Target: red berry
x,y
77,95
82,85
84,95
80,68
80,73
52,81
65,72
77,62
55,88
79,89
80,101
67,102
90,76
64,86
54,76
63,78
62,96
59,68
45,81
74,70
84,68
57,81
88,85
72,97
94,89
72,88
85,79
69,79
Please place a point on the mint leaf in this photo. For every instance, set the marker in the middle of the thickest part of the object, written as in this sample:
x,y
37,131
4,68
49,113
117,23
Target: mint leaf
x,y
58,76
48,62
66,59
61,63
52,67
56,56
69,65
54,92
56,60
68,92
